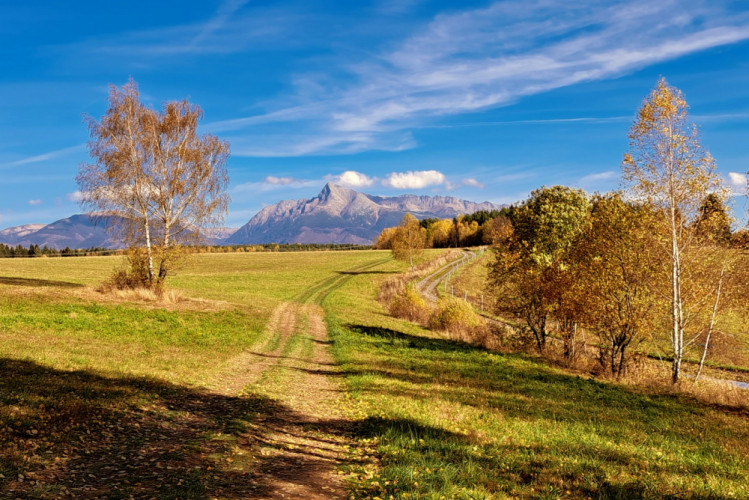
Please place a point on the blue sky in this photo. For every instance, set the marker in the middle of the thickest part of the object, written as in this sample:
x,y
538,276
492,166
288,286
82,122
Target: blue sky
x,y
480,100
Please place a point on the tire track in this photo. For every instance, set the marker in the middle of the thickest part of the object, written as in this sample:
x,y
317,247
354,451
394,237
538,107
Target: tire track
x,y
301,445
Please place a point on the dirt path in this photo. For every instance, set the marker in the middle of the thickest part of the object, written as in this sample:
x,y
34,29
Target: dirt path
x,y
428,285
247,367
302,444
305,443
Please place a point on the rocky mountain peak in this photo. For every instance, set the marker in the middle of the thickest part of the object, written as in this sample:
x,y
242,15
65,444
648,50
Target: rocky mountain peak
x,y
341,215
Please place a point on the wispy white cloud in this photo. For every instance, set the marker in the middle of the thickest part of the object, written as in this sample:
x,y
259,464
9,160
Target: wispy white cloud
x,y
545,121
599,177
225,11
227,31
739,184
396,7
33,179
484,58
35,202
596,181
280,181
51,155
414,179
272,183
519,176
470,181
319,143
722,117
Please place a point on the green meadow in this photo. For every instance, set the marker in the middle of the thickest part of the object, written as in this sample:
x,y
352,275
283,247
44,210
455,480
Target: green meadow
x,y
208,394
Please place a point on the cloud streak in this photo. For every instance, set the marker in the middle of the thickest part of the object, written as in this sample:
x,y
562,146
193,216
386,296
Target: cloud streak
x,y
490,57
51,155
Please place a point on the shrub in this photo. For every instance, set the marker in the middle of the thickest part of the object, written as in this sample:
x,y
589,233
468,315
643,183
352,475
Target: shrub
x,y
457,317
409,304
133,277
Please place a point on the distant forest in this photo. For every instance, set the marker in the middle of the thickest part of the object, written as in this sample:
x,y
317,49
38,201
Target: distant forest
x,y
19,251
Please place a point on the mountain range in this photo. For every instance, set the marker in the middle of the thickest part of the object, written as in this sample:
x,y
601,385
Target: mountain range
x,y
342,215
336,215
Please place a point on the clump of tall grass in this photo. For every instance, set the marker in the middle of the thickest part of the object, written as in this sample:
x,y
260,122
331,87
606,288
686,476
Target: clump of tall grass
x,y
131,283
149,295
133,276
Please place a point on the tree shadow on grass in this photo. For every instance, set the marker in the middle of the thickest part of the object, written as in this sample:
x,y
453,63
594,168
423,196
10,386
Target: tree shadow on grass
x,y
513,378
417,459
607,417
14,281
412,341
357,273
84,435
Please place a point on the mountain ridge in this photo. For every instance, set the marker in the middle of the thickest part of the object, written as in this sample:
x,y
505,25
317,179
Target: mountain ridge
x,y
336,215
81,231
342,215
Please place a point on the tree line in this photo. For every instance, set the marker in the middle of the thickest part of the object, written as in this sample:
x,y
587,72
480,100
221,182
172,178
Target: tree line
x,y
33,250
569,263
478,228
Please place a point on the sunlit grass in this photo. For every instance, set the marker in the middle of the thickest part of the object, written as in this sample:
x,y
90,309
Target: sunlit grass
x,y
443,419
50,312
454,421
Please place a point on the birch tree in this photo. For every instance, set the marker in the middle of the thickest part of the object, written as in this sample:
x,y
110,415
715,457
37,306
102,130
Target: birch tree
x,y
667,166
153,177
409,240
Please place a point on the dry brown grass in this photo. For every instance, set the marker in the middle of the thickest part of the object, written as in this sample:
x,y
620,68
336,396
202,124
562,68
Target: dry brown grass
x,y
173,300
654,376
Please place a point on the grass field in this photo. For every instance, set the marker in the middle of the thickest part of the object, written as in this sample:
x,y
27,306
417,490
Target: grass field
x,y
231,392
453,421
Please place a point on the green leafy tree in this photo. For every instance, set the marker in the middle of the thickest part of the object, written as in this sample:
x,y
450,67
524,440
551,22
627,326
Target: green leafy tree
x,y
529,276
713,224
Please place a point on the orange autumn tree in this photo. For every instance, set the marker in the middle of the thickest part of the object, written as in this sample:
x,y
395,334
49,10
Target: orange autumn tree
x,y
154,179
